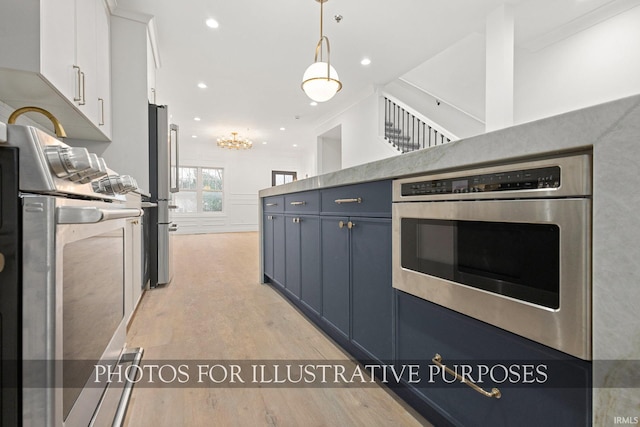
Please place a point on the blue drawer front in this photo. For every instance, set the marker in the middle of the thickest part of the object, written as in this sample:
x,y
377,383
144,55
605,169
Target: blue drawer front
x,y
305,202
273,204
369,199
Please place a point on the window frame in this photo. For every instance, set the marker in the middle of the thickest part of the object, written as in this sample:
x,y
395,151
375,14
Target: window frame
x,y
293,174
200,190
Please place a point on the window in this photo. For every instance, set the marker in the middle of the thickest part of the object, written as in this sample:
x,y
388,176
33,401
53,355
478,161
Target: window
x,y
282,177
201,190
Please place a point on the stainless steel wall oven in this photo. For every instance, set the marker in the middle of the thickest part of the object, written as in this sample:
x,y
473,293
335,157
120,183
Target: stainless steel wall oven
x,y
509,245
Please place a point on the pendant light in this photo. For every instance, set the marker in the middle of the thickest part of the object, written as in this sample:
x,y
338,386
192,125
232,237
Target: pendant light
x,y
320,81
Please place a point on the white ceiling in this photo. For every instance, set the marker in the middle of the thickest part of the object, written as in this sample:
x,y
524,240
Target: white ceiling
x,y
253,63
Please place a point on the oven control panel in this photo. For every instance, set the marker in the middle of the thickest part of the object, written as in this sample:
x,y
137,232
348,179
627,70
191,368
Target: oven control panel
x,y
523,179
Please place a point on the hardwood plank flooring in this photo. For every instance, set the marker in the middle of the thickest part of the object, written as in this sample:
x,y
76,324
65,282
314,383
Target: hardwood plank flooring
x,y
215,310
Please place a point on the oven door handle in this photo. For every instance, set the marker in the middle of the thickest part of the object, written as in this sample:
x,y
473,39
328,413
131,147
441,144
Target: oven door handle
x,y
92,215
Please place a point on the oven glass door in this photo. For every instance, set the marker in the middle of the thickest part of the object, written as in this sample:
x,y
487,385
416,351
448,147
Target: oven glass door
x,y
93,306
518,260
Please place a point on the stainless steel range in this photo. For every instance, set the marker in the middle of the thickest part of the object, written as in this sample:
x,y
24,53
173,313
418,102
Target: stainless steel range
x,y
70,284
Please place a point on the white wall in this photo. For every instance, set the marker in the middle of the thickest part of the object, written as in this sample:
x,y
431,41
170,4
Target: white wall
x,y
329,154
599,64
360,140
245,173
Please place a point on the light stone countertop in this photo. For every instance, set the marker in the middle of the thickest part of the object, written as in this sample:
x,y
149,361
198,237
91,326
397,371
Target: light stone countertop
x,y
612,131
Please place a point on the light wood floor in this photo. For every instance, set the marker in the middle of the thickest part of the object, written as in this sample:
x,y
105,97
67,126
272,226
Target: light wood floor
x,y
215,310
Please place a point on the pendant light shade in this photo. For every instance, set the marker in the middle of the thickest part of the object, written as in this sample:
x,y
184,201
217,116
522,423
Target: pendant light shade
x,y
320,81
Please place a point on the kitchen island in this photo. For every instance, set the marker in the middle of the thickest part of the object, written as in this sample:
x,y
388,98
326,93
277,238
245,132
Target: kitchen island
x,y
611,132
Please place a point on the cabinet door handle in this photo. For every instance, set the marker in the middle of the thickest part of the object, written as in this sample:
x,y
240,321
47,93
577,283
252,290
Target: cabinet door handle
x,y
101,112
341,224
271,204
269,217
437,359
355,200
84,100
298,203
297,220
78,98
350,225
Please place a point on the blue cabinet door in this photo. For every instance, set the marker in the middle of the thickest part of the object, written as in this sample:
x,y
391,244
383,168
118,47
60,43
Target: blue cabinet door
x,y
539,386
292,254
267,242
278,249
372,293
310,274
335,272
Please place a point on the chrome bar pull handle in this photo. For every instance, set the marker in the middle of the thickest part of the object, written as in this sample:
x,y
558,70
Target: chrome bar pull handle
x,y
495,393
298,203
101,101
355,200
78,98
83,98
92,215
271,204
135,357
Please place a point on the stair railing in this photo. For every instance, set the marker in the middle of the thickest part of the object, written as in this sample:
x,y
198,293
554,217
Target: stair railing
x,y
407,132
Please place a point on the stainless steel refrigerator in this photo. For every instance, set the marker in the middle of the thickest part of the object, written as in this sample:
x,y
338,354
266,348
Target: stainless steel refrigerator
x,y
163,180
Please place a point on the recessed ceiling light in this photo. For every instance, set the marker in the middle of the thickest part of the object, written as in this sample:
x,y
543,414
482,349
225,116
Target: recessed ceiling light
x,y
264,142
194,136
313,103
295,145
282,129
212,23
202,85
365,61
197,119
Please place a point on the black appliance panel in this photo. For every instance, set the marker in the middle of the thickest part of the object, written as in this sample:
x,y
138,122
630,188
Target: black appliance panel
x,y
10,289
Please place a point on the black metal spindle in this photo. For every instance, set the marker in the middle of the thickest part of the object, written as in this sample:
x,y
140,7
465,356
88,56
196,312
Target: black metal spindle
x,y
407,132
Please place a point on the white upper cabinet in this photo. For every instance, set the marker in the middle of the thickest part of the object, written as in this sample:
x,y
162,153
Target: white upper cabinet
x,y
103,60
57,45
56,55
86,64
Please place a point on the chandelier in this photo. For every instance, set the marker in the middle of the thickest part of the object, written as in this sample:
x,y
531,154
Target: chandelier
x,y
320,81
235,142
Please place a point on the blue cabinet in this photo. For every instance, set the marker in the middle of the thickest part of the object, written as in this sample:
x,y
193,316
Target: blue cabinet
x,y
302,256
335,272
539,386
356,282
310,275
306,202
329,252
371,199
274,247
267,246
371,290
292,255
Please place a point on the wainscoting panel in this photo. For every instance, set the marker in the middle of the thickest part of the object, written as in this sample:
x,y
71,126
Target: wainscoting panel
x,y
240,214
